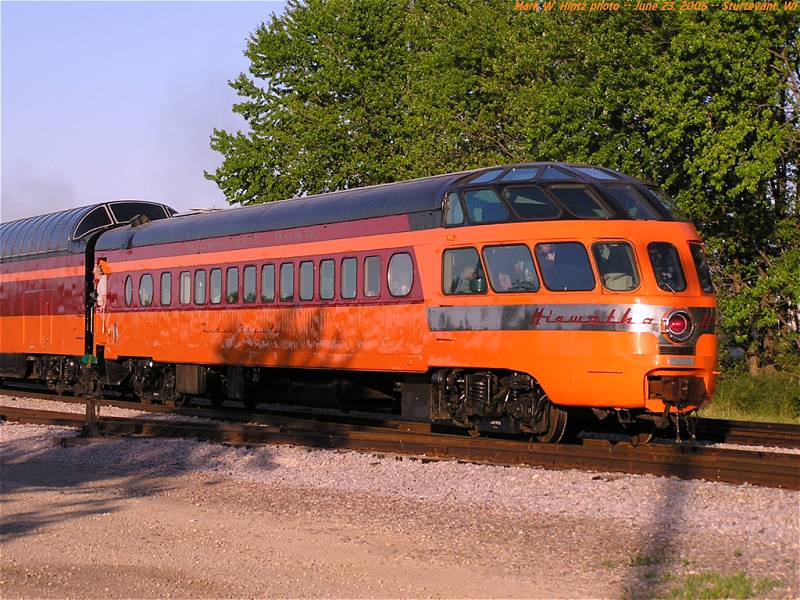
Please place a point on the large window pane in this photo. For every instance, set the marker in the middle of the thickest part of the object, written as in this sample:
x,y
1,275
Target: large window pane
x,y
462,272
511,268
580,201
633,203
268,283
128,290
146,290
531,203
249,284
565,267
186,287
306,280
166,289
616,264
701,264
327,277
453,213
199,287
484,206
667,204
667,266
400,274
215,286
232,285
372,276
349,278
287,282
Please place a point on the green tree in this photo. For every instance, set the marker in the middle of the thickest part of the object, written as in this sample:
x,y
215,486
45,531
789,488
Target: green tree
x,y
346,93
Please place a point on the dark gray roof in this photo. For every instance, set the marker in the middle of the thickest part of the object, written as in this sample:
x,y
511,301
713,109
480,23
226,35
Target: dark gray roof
x,y
66,230
406,197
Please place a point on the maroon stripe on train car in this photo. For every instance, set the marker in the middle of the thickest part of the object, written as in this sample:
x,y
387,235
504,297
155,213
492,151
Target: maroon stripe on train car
x,y
116,284
298,235
56,296
39,264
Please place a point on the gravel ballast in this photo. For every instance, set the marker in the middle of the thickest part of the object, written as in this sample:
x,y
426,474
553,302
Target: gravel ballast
x,y
152,518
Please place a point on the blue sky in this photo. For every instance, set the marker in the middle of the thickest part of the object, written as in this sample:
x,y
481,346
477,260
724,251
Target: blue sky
x,y
108,100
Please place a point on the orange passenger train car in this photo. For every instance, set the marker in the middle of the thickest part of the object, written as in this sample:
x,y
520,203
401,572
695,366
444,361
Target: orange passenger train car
x,y
503,299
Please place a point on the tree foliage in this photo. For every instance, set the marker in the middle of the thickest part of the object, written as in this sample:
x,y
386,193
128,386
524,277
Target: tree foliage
x,y
343,93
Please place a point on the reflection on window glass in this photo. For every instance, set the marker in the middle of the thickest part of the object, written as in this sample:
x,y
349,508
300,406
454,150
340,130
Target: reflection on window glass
x,y
232,285
701,264
400,274
669,205
453,213
186,287
249,284
128,290
348,286
484,206
215,286
565,266
531,203
146,290
667,266
462,272
287,281
580,201
520,174
487,176
372,276
199,287
555,174
596,173
166,289
511,268
268,283
306,280
616,264
632,202
327,277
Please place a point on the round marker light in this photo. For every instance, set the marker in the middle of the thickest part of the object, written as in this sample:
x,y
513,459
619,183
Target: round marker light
x,y
678,325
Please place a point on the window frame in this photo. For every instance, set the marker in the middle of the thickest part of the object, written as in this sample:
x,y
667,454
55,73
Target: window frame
x,y
244,284
592,192
215,272
704,256
139,289
480,261
588,262
235,269
304,264
553,200
389,274
281,297
342,271
596,265
195,287
261,296
162,287
128,290
322,262
367,259
680,264
447,204
489,271
189,288
468,215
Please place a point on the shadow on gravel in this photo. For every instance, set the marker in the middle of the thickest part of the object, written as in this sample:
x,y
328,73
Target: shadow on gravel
x,y
89,480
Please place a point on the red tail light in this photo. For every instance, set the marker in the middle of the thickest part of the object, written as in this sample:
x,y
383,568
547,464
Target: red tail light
x,y
678,325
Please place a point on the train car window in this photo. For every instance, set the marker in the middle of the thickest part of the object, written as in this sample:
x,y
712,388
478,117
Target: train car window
x,y
555,174
531,203
462,272
372,276
581,201
199,287
662,199
633,203
565,267
453,214
327,278
186,287
287,282
486,177
701,264
485,206
667,266
146,290
249,284
596,173
400,274
232,285
128,290
616,264
349,278
215,286
511,268
268,283
307,280
166,289
522,174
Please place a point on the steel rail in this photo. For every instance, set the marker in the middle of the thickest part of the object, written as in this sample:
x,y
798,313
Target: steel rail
x,y
767,469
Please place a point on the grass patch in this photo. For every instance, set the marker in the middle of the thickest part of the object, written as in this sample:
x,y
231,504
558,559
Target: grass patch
x,y
771,397
709,586
642,560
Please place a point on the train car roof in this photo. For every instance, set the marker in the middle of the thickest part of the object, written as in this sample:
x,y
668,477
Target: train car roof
x,y
405,197
66,231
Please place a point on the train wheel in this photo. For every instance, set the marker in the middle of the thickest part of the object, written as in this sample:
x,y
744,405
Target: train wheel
x,y
557,427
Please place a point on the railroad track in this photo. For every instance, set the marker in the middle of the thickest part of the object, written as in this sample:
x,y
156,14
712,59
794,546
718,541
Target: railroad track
x,y
768,469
